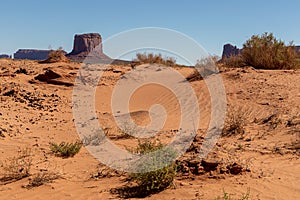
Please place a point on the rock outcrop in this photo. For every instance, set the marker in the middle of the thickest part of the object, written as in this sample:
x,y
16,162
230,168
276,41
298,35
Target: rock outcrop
x,y
33,54
52,77
4,56
87,46
297,48
230,50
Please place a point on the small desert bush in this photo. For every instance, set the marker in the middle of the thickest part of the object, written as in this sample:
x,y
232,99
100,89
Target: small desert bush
x,y
236,120
209,60
95,139
234,61
127,130
18,167
195,76
148,182
153,180
147,147
64,149
154,58
41,178
206,66
56,56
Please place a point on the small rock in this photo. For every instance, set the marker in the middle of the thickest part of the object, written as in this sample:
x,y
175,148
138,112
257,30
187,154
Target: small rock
x,y
235,168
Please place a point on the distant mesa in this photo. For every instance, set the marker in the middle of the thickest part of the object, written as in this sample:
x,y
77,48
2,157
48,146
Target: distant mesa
x,y
230,50
86,46
4,56
32,54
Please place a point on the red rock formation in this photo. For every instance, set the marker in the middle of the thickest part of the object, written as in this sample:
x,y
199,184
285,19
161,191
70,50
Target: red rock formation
x,y
230,50
87,45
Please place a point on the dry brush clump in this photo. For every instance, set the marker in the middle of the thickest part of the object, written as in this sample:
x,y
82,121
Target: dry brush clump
x,y
265,52
204,68
236,120
56,56
234,61
94,139
41,178
152,58
17,167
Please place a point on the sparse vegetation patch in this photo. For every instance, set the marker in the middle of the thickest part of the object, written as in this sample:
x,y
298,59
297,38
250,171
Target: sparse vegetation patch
x,y
154,58
65,150
17,167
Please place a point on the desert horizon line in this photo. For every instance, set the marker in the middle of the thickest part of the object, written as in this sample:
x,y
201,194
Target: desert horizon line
x,y
228,48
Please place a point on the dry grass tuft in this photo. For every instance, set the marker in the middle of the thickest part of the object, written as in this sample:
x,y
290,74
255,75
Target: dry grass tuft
x,y
56,56
41,178
151,58
17,167
236,120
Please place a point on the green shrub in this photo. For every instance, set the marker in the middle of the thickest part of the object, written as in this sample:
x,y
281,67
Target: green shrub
x,y
206,66
266,52
147,147
66,149
160,178
227,196
148,182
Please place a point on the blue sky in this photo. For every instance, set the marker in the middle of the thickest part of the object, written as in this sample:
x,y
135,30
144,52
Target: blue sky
x,y
39,23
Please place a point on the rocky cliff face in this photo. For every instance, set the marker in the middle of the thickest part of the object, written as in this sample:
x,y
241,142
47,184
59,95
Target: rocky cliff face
x,y
230,50
297,48
87,45
31,54
4,56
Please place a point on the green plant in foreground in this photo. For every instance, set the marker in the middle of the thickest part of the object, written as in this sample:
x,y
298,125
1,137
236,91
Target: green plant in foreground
x,y
159,178
65,149
150,181
226,196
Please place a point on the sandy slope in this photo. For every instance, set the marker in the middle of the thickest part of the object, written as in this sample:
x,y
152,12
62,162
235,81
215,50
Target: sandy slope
x,y
34,113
